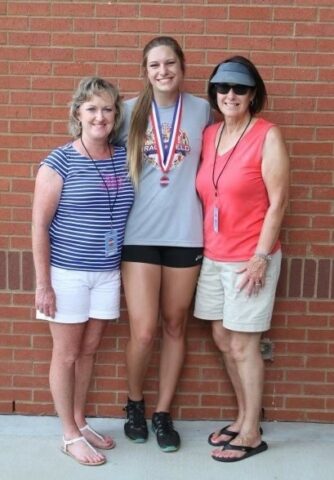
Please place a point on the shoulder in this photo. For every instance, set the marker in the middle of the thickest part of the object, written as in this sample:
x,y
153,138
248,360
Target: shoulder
x,y
211,130
263,125
58,159
119,151
130,103
268,130
197,101
198,108
61,152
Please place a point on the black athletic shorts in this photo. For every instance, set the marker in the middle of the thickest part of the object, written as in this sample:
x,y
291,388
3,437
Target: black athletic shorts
x,y
178,257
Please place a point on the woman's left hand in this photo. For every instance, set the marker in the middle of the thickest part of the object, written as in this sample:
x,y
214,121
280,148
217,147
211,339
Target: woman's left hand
x,y
254,275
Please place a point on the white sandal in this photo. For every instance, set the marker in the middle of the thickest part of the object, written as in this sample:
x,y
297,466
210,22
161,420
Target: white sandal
x,y
100,437
65,450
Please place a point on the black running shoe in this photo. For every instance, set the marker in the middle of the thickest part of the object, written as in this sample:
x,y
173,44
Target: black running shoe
x,y
167,437
136,427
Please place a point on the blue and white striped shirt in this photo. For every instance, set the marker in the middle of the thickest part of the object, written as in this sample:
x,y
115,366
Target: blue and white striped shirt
x,y
84,216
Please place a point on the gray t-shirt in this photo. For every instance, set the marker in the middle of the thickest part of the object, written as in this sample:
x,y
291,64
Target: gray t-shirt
x,y
170,215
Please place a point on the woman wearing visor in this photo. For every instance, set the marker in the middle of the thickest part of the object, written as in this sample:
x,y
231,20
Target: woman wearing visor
x,y
243,186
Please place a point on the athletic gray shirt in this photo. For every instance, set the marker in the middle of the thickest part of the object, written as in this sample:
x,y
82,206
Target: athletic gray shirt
x,y
170,215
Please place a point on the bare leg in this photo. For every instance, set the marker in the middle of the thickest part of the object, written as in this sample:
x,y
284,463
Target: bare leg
x,y
83,373
222,338
245,350
177,290
66,348
142,289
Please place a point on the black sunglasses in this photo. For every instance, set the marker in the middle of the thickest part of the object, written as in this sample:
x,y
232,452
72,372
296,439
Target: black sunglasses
x,y
237,89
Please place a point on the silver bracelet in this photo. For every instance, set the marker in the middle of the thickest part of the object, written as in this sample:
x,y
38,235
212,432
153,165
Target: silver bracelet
x,y
264,256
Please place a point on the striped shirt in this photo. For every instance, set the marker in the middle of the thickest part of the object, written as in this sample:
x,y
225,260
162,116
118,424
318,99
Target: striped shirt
x,y
86,212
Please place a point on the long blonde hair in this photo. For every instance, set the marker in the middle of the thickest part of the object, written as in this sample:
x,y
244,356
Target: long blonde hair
x,y
142,108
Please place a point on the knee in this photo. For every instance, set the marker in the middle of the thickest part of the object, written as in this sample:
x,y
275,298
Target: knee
x,y
175,327
246,348
144,339
67,357
220,337
90,346
237,351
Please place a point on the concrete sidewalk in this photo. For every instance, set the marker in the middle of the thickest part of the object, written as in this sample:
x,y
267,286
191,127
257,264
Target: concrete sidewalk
x,y
29,450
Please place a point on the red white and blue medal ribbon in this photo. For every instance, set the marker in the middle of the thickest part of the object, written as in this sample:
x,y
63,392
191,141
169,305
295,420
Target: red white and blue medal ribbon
x,y
166,151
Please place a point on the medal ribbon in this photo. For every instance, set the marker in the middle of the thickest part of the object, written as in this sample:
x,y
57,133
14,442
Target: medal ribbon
x,y
166,153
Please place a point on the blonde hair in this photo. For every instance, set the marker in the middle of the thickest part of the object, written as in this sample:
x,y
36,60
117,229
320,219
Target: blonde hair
x,y
142,108
88,87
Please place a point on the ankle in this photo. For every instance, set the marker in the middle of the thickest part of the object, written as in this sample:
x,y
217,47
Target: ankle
x,y
80,421
136,402
71,433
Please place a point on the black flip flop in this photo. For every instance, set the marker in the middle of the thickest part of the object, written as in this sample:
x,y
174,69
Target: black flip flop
x,y
222,431
249,452
225,431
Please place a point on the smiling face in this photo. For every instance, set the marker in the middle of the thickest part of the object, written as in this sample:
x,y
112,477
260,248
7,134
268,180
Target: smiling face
x,y
164,71
97,117
233,105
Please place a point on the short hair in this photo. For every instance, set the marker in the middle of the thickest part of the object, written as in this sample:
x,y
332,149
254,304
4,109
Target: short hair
x,y
88,87
260,97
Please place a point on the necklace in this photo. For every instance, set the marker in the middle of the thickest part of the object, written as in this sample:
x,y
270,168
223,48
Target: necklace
x,y
215,182
111,206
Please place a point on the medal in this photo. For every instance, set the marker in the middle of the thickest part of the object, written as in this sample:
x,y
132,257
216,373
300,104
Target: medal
x,y
166,151
164,181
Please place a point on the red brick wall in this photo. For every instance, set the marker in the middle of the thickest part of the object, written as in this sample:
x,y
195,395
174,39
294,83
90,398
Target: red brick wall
x,y
45,47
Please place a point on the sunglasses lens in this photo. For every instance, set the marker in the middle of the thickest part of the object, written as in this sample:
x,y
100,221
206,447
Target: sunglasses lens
x,y
240,89
224,88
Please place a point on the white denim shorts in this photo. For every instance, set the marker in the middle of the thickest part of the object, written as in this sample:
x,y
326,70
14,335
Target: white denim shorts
x,y
218,297
83,295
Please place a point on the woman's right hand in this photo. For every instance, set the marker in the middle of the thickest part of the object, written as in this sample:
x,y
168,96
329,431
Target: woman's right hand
x,y
45,301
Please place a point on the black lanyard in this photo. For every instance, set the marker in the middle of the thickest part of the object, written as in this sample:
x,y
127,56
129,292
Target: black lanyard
x,y
215,182
111,206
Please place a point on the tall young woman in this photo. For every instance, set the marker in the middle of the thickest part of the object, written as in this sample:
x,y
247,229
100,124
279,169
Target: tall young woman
x,y
243,184
163,241
81,203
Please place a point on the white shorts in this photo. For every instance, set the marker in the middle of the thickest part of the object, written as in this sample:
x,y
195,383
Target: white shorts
x,y
218,298
82,295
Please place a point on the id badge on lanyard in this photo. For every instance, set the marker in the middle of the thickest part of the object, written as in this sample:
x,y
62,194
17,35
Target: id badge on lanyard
x,y
111,243
215,219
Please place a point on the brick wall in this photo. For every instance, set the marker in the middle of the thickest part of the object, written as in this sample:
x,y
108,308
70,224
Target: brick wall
x,y
45,47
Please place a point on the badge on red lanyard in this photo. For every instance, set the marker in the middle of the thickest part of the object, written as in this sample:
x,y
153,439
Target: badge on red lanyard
x,y
166,151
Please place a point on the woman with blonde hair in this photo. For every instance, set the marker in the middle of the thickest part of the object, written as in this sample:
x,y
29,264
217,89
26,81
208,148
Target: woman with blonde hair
x,y
82,199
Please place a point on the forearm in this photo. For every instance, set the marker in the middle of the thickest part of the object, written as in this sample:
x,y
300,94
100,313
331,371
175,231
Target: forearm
x,y
41,255
270,229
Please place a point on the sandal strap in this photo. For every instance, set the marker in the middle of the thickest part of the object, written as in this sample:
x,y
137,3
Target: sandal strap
x,y
241,448
67,443
226,431
91,430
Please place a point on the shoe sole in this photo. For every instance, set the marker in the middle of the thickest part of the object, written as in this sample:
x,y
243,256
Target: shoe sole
x,y
166,449
137,440
169,449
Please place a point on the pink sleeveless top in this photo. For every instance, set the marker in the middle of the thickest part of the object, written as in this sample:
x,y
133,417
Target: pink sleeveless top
x,y
242,199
